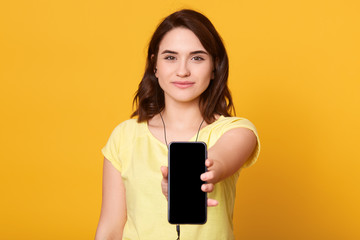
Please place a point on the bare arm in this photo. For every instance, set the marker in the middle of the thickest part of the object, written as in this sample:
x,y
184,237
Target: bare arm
x,y
226,157
164,187
113,208
229,154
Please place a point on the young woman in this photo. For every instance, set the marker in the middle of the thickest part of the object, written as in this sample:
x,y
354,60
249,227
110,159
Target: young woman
x,y
183,95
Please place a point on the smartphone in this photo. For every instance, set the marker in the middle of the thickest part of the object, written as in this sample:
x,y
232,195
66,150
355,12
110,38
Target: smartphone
x,y
187,203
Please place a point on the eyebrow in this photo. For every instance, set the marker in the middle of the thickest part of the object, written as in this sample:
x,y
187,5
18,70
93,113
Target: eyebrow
x,y
191,53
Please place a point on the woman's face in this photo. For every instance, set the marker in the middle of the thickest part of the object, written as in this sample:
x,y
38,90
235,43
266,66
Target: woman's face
x,y
184,68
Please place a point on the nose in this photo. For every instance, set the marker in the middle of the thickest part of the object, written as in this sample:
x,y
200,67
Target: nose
x,y
183,69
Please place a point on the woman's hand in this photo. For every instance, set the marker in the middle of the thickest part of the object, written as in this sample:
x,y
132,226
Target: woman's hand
x,y
164,181
209,176
207,187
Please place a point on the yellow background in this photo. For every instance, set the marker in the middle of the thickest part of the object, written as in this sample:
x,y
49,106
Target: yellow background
x,y
68,73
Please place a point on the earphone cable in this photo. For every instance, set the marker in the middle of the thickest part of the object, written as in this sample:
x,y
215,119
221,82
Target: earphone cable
x,y
178,231
197,135
164,130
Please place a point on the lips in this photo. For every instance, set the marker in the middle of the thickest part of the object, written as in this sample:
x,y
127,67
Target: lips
x,y
183,84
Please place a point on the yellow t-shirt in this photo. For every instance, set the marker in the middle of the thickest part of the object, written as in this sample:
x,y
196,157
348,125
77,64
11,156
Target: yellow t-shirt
x,y
138,155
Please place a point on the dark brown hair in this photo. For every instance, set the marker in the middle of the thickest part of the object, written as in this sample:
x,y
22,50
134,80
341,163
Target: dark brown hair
x,y
216,99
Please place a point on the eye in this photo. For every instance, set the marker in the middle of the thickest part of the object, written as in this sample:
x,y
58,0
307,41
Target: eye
x,y
169,57
198,58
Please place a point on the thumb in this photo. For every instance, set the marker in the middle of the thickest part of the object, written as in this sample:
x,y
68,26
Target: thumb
x,y
164,171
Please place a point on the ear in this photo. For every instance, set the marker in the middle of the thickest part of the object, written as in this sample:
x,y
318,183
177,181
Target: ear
x,y
212,75
214,68
155,69
155,72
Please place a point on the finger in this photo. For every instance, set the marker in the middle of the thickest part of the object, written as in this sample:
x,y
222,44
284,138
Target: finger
x,y
212,202
209,162
207,187
164,190
208,176
164,182
164,171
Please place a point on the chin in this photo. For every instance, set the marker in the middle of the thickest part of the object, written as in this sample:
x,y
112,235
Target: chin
x,y
185,99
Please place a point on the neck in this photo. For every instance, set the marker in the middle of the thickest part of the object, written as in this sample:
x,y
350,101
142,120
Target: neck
x,y
182,116
182,121
165,135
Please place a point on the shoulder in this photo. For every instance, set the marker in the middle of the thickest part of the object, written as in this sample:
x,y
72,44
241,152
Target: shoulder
x,y
126,130
224,124
127,125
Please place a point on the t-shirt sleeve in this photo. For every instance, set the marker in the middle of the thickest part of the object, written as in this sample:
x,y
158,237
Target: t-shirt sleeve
x,y
112,148
235,122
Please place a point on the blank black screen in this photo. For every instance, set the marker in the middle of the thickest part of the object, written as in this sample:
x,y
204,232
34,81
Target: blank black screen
x,y
187,202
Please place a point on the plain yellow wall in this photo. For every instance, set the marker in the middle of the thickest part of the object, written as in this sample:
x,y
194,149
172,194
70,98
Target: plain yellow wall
x,y
68,72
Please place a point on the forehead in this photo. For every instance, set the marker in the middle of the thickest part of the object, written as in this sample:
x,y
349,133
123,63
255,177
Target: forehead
x,y
180,40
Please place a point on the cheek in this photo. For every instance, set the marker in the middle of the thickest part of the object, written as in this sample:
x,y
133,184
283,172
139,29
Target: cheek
x,y
163,70
206,74
205,85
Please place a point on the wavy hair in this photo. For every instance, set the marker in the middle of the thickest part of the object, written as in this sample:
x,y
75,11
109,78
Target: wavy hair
x,y
216,99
